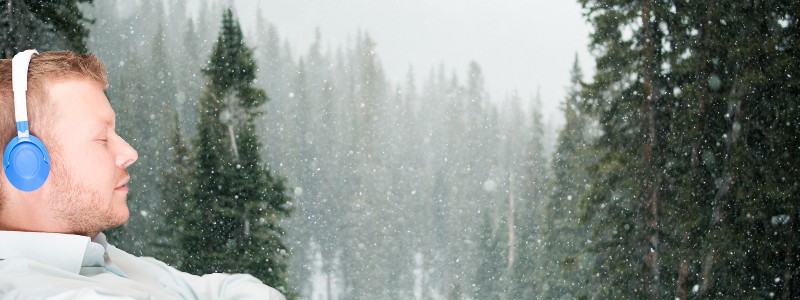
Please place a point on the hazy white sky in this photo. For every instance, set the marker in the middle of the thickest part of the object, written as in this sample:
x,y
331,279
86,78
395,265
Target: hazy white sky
x,y
520,44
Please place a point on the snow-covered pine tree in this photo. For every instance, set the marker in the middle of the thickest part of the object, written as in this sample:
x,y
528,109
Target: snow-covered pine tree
x,y
565,237
175,189
42,25
525,261
694,194
625,200
232,221
490,275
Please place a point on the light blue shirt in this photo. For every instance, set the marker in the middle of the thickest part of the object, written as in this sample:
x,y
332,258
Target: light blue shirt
x,y
36,265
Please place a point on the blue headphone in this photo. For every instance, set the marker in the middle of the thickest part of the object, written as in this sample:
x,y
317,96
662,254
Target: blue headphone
x,y
25,161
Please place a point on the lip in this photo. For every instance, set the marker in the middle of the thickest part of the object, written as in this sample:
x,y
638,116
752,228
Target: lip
x,y
124,185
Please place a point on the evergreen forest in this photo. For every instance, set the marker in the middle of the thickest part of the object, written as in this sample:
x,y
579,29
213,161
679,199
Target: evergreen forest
x,y
673,176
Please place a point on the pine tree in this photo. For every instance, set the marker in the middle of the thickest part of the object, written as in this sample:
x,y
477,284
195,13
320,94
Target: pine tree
x,y
489,280
235,204
742,63
563,264
175,190
626,200
186,78
694,103
526,264
42,25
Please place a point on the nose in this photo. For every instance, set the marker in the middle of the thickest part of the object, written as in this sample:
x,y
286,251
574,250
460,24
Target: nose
x,y
126,155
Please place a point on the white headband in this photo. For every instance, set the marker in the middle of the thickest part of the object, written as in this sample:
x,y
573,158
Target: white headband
x,y
19,80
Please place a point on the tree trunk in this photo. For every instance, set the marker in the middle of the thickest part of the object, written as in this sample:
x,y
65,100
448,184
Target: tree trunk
x,y
789,259
707,280
653,187
328,285
683,272
511,216
708,33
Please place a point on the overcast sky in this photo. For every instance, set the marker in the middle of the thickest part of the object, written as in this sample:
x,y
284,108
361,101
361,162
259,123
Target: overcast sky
x,y
520,44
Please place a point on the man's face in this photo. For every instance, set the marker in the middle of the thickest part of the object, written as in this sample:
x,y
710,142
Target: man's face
x,y
89,159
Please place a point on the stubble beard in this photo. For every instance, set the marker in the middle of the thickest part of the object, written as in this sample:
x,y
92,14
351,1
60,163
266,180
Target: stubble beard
x,y
80,208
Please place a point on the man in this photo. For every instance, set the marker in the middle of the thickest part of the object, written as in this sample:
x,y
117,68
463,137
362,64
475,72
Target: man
x,y
51,240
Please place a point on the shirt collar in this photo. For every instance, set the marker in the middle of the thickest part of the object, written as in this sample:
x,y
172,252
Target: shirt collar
x,y
63,251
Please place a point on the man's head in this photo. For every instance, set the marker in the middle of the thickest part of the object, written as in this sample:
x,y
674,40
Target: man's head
x,y
69,112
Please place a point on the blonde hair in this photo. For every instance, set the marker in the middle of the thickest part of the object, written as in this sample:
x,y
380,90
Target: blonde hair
x,y
44,70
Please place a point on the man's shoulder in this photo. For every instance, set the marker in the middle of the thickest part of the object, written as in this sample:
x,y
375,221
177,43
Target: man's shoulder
x,y
23,266
23,278
26,278
13,268
26,271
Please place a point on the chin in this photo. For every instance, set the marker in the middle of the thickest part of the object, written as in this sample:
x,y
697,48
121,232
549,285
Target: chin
x,y
119,216
122,217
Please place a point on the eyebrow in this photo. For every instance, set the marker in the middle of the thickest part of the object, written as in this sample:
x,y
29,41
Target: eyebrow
x,y
106,121
100,129
108,118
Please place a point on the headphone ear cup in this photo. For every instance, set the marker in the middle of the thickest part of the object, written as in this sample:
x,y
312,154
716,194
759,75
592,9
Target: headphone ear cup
x,y
26,163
